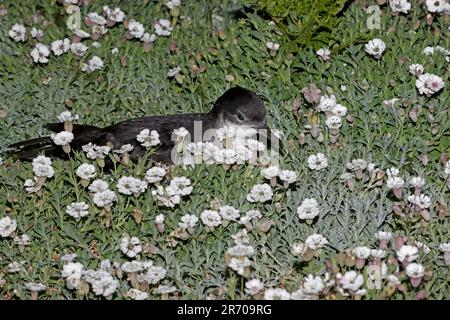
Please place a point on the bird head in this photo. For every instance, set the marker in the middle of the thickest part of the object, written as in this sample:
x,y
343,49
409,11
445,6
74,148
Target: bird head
x,y
240,107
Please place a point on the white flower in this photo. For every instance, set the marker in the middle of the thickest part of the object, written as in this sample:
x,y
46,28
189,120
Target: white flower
x,y
313,284
324,54
260,193
18,32
93,151
362,252
327,103
132,266
229,213
16,266
77,210
272,46
375,48
435,5
31,185
339,110
241,237
447,168
277,294
426,249
68,257
131,185
226,156
106,285
152,275
22,240
86,171
78,49
96,18
66,116
422,201
104,198
444,247
95,63
317,161
155,174
407,252
254,287
167,197
395,182
188,221
239,264
417,182
357,164
352,281
416,69
211,218
126,148
402,6
72,272
136,294
172,72
288,176
42,167
270,172
378,253
333,122
428,51
37,33
163,27
81,34
7,226
181,186
40,53
428,84
298,249
392,172
148,138
316,241
115,15
148,38
415,270
159,219
250,215
60,46
309,209
131,246
36,287
173,3
383,235
98,185
62,138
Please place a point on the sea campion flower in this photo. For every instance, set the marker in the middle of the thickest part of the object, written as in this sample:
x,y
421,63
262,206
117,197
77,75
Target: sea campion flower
x,y
211,218
113,16
273,47
352,281
136,294
395,184
148,138
333,122
339,110
288,177
181,186
361,253
77,210
415,272
248,217
428,84
67,116
317,161
72,272
104,198
40,53
400,6
445,248
18,32
383,237
313,285
416,69
60,47
78,49
23,240
42,167
260,193
155,174
98,185
435,6
95,63
277,294
188,221
131,246
159,222
131,185
86,171
254,287
171,4
308,210
35,288
327,103
173,72
375,48
229,213
7,226
163,27
324,54
63,138
316,241
421,201
407,254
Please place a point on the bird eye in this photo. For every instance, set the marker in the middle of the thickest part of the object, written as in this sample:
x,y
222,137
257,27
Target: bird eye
x,y
240,117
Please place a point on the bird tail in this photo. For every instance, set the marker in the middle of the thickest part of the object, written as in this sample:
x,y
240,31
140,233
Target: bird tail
x,y
27,150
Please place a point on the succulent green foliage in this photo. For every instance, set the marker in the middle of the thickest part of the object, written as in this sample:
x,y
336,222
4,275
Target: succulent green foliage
x,y
306,22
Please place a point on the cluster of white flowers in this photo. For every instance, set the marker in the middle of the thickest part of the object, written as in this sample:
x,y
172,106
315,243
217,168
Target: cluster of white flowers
x,y
351,283
238,258
101,280
324,54
375,48
333,111
155,174
421,201
145,271
95,152
163,28
171,194
287,176
42,169
188,221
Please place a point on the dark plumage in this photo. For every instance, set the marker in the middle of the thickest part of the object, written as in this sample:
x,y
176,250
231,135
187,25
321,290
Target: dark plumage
x,y
237,107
